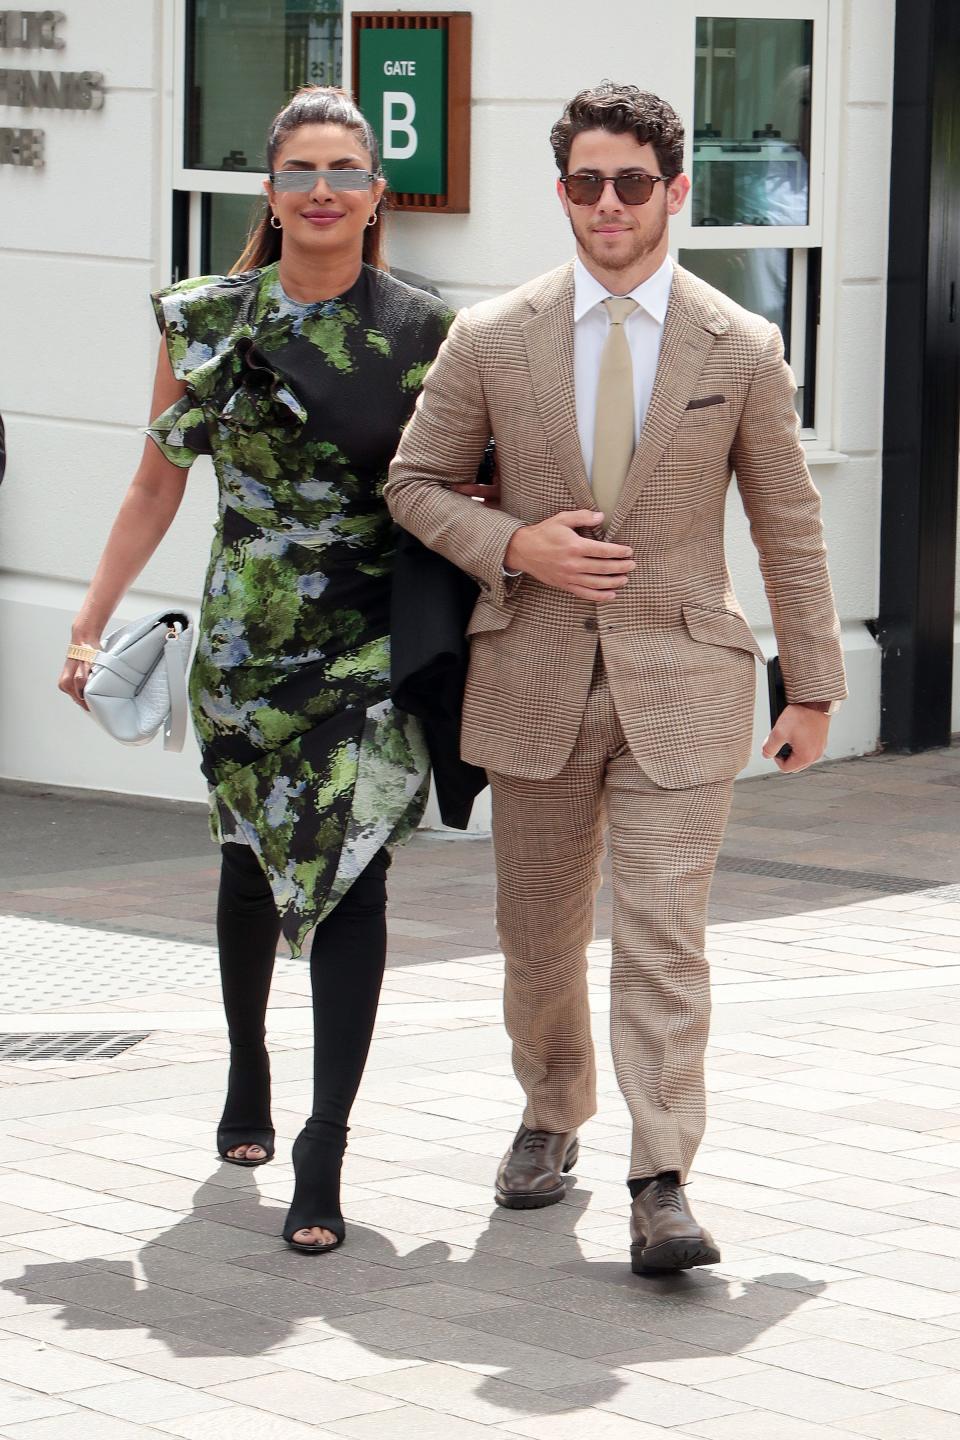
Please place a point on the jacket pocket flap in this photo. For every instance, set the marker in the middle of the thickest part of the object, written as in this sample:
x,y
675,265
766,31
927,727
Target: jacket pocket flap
x,y
487,617
721,627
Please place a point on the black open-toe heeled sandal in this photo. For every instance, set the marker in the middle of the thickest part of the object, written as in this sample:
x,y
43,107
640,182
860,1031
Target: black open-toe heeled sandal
x,y
317,1160
304,1247
233,1136
246,1111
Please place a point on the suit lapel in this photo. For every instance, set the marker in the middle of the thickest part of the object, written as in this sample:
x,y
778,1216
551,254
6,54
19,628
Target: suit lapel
x,y
548,336
690,329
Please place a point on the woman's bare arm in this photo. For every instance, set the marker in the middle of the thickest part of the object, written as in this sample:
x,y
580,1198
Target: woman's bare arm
x,y
144,518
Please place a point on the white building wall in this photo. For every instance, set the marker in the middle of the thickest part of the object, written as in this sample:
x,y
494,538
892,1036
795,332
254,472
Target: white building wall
x,y
82,243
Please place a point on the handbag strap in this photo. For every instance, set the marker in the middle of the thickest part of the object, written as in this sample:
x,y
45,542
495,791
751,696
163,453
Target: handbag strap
x,y
106,660
175,660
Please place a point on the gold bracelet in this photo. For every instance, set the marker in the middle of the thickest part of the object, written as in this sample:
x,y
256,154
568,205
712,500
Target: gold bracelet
x,y
86,653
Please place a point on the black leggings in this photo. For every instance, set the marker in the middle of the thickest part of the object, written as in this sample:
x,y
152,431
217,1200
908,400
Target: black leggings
x,y
346,970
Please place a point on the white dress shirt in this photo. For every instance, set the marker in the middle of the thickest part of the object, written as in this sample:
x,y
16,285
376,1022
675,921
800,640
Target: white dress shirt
x,y
644,330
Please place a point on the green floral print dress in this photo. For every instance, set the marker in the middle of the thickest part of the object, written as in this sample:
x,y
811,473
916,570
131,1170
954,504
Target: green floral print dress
x,y
301,407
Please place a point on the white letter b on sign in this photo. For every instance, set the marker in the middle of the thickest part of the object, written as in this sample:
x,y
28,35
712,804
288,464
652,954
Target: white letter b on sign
x,y
399,136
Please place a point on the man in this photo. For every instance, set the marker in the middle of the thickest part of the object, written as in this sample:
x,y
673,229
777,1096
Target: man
x,y
611,669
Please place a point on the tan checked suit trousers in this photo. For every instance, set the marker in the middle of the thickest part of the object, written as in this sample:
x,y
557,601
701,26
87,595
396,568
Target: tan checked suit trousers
x,y
549,845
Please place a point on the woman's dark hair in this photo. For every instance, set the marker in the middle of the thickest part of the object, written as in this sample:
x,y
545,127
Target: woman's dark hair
x,y
621,109
314,105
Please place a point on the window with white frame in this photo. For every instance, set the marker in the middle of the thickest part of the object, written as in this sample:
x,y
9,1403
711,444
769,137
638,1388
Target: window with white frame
x,y
241,61
755,154
748,76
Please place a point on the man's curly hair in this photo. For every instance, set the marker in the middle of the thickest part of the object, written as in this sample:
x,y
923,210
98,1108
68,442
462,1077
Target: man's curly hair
x,y
623,110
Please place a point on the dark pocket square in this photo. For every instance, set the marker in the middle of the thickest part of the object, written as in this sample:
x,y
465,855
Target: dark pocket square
x,y
707,400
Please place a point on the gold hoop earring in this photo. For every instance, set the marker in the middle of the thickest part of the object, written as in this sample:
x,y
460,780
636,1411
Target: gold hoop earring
x,y
277,224
373,218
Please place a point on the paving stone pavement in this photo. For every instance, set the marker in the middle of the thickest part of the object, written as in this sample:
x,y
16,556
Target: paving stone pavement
x,y
143,1289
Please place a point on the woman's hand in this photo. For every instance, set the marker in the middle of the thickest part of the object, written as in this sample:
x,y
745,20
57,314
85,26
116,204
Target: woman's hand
x,y
144,518
76,673
489,494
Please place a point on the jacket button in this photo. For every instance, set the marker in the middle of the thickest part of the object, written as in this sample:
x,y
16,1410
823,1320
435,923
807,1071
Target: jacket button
x,y
590,625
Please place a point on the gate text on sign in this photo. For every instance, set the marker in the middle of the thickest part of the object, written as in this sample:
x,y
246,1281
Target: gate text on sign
x,y
411,76
399,136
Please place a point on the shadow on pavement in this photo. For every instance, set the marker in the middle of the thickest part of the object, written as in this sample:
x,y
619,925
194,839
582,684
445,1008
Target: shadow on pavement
x,y
219,1282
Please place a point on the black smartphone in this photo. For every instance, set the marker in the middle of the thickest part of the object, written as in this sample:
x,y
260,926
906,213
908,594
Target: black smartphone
x,y
778,700
487,469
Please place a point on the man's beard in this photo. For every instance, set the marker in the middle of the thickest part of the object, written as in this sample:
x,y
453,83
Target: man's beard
x,y
643,245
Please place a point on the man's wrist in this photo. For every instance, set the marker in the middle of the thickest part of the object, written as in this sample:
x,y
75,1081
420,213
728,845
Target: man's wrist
x,y
512,562
823,707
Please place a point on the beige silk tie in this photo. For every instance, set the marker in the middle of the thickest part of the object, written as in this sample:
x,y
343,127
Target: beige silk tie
x,y
613,437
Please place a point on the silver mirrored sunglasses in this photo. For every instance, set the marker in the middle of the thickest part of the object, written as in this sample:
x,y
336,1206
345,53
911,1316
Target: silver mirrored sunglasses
x,y
305,180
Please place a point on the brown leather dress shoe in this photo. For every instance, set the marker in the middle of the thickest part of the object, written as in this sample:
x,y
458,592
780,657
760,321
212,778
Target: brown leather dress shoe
x,y
663,1232
531,1173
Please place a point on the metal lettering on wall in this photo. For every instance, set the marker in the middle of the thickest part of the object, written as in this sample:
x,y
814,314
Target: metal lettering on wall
x,y
40,89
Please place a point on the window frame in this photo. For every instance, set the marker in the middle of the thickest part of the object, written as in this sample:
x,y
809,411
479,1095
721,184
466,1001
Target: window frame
x,y
212,182
819,234
184,186
679,70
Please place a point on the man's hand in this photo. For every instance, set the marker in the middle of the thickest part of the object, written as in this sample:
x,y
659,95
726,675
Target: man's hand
x,y
803,729
555,554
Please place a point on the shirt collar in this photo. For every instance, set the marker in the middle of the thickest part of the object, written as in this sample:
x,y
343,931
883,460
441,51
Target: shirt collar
x,y
652,295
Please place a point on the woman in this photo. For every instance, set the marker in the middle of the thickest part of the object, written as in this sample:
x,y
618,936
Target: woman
x,y
296,373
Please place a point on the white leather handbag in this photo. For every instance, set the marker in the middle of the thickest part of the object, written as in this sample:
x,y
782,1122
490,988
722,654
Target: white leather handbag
x,y
138,680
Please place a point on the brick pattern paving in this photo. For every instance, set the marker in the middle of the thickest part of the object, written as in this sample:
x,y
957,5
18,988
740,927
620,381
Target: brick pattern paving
x,y
144,1291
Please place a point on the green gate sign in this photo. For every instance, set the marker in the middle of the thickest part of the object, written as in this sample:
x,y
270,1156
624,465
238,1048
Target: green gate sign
x,y
403,93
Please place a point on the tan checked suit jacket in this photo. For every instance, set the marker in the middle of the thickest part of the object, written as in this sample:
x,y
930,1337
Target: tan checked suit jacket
x,y
680,657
